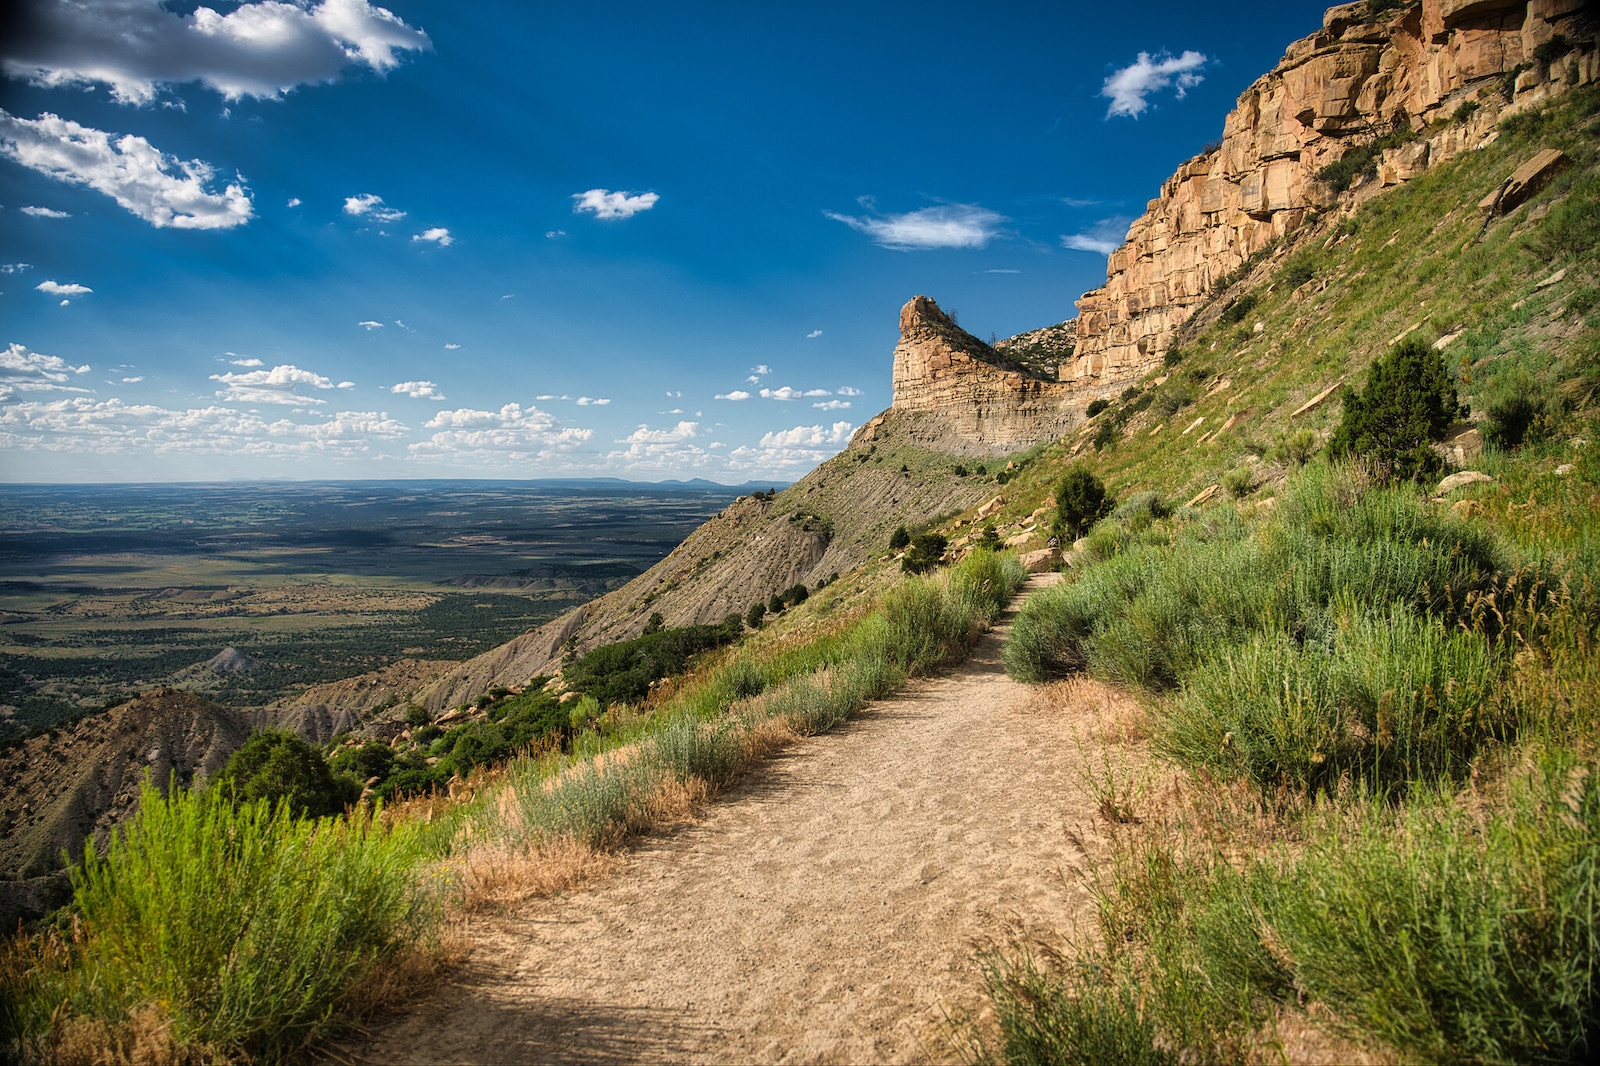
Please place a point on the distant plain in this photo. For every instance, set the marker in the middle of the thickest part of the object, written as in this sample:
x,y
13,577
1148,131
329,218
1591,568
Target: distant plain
x,y
108,589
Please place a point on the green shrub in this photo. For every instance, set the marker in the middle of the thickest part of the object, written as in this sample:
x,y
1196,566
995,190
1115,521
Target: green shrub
x,y
274,765
989,538
1551,50
1301,268
372,759
1519,408
755,614
1081,501
1106,435
417,715
1173,397
1408,403
622,672
1295,447
926,552
1096,406
239,925
1465,112
899,538
1236,310
1237,482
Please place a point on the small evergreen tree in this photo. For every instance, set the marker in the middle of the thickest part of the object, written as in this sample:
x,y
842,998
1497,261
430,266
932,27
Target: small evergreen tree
x,y
1408,403
280,766
1081,501
925,553
989,538
755,614
655,623
899,539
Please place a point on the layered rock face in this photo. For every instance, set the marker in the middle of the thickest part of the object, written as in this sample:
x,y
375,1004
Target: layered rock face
x,y
981,398
1362,75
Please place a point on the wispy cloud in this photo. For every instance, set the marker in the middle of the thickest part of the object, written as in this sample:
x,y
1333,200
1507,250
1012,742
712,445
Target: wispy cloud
x,y
418,390
370,324
283,384
247,361
998,270
14,268
1103,238
832,405
586,401
848,390
606,204
438,235
369,205
787,392
814,334
736,394
451,347
260,49
22,370
161,189
45,212
1128,88
942,226
133,380
55,288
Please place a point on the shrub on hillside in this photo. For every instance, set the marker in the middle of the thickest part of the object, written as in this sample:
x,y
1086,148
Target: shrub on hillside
x,y
1519,408
1408,403
899,538
279,766
1096,406
622,672
925,553
1081,501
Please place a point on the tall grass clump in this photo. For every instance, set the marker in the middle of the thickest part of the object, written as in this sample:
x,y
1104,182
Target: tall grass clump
x,y
234,928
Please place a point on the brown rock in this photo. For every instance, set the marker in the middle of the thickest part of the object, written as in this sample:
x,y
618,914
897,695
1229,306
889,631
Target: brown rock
x,y
1525,182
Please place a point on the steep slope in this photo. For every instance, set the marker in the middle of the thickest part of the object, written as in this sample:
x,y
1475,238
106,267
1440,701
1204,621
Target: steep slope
x,y
1386,89
60,788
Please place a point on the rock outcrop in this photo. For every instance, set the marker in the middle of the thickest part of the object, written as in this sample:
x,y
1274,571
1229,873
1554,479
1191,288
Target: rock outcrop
x,y
978,399
1403,74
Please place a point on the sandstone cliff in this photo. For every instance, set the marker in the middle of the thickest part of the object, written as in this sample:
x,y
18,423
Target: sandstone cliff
x,y
956,394
1365,74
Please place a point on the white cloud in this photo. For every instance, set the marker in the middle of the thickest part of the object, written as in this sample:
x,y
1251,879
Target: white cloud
x,y
418,390
1128,87
14,268
260,49
999,270
585,401
161,189
370,324
368,205
943,226
612,205
762,368
81,424
251,361
791,449
848,390
736,394
438,235
281,385
45,212
552,234
133,380
1103,238
661,449
69,289
346,385
788,393
832,405
451,347
294,201
814,334
22,370
510,433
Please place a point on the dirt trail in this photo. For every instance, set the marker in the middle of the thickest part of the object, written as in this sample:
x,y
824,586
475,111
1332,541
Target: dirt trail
x,y
823,909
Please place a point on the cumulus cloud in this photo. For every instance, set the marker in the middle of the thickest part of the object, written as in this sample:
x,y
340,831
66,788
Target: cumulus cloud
x,y
22,370
791,449
438,235
1128,88
370,206
942,226
80,424
45,212
832,405
260,49
57,289
161,189
612,205
736,394
586,401
294,201
511,433
787,393
418,390
848,390
813,334
283,384
370,324
1103,238
669,449
133,380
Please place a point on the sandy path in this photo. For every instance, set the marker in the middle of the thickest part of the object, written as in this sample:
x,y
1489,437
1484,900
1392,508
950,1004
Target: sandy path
x,y
822,910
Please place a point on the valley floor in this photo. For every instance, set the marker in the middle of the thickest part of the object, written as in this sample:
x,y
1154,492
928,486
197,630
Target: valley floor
x,y
826,908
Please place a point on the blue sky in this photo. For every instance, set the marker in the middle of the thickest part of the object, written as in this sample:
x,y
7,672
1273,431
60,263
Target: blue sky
x,y
336,239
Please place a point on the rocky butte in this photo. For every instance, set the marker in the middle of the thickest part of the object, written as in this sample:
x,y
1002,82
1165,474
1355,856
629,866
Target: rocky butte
x,y
1407,84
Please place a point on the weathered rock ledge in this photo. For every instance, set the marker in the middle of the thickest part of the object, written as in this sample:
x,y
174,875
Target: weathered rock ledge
x,y
1362,75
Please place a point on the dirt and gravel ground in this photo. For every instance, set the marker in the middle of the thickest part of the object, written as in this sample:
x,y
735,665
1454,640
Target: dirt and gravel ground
x,y
825,909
